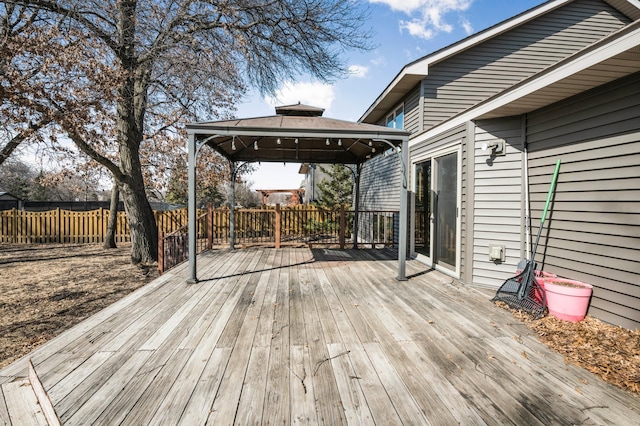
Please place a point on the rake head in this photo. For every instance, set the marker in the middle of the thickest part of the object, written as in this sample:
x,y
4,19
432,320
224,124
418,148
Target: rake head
x,y
518,294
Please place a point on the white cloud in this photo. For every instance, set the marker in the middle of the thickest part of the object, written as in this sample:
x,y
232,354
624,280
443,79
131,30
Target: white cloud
x,y
468,28
311,93
379,60
428,16
358,71
417,28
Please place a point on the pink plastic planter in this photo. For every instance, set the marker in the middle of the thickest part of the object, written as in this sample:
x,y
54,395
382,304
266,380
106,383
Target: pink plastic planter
x,y
567,302
540,277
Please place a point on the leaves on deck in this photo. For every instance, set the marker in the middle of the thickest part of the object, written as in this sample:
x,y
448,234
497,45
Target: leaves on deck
x,y
606,350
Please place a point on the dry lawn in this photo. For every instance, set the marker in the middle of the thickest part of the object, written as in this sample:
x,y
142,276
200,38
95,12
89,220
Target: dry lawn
x,y
45,289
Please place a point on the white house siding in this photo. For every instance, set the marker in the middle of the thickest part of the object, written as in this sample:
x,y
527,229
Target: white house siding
x,y
470,77
594,233
497,199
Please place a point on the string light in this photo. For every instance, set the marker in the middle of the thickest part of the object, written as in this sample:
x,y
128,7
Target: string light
x,y
370,143
339,142
255,145
233,143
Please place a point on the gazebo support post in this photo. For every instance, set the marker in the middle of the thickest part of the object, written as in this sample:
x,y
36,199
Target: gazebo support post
x,y
191,164
356,210
232,207
404,211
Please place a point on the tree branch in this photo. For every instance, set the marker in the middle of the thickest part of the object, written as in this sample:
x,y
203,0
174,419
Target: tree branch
x,y
15,141
79,17
95,155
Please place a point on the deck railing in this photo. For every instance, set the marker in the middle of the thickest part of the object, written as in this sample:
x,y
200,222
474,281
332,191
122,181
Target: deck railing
x,y
276,226
270,225
173,248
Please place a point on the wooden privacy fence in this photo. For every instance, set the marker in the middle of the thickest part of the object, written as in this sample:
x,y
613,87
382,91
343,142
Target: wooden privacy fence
x,y
276,226
64,226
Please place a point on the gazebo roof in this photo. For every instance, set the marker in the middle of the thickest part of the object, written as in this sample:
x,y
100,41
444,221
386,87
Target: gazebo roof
x,y
297,133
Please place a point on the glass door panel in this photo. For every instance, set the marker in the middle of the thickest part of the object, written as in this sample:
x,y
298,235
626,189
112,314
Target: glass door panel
x,y
446,207
436,210
423,209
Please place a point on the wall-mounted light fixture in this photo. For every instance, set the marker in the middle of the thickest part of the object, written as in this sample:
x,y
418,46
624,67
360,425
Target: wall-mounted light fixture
x,y
496,147
327,142
339,142
255,145
278,141
233,143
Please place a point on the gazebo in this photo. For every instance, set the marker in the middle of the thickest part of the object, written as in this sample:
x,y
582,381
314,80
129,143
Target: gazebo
x,y
300,134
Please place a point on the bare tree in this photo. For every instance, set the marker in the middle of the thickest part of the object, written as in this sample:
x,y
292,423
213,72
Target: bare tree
x,y
142,68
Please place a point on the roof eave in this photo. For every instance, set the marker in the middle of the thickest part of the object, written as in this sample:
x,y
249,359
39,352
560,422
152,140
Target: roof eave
x,y
615,44
405,81
413,73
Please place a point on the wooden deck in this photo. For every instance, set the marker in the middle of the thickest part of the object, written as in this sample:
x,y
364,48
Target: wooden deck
x,y
311,336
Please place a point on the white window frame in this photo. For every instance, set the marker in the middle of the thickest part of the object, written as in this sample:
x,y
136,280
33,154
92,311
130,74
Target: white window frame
x,y
392,117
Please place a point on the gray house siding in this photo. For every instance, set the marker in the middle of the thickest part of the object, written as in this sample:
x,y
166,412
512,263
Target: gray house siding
x,y
472,76
380,190
412,111
380,177
594,225
380,184
497,200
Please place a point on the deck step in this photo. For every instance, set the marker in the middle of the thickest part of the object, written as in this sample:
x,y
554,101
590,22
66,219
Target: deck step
x,y
25,402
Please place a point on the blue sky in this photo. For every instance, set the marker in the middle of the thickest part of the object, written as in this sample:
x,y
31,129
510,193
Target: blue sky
x,y
405,30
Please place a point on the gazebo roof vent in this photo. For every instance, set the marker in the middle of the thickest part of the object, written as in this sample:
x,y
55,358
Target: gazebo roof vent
x,y
299,110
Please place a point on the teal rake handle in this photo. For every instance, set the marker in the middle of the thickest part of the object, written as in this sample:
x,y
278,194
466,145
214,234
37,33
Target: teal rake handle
x,y
530,273
550,194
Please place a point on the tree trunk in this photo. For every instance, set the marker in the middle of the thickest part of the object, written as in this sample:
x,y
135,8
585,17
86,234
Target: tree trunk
x,y
142,223
110,238
130,112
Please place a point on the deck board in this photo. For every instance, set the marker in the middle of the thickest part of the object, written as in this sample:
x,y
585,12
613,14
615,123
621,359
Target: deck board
x,y
21,404
299,336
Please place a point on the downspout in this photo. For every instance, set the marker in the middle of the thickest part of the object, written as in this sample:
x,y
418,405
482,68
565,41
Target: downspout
x,y
527,212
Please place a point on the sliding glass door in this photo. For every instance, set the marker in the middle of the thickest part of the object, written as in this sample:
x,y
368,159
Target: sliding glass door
x,y
436,210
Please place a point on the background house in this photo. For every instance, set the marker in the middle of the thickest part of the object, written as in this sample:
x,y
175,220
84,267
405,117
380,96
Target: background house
x,y
313,175
561,80
9,201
